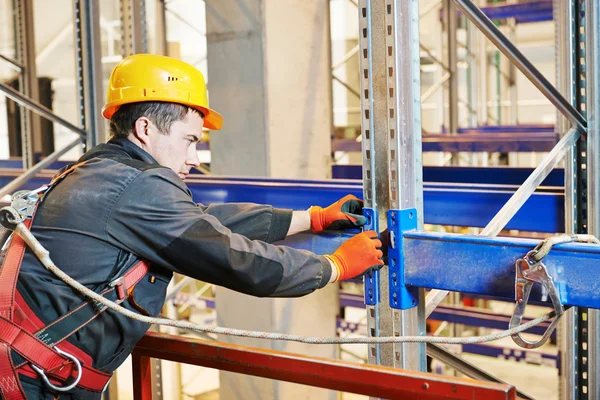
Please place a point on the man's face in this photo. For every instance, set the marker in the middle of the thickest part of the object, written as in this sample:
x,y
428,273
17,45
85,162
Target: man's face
x,y
177,150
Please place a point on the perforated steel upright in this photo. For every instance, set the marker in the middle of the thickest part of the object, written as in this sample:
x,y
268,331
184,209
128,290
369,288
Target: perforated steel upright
x,y
566,75
133,27
28,84
391,131
88,63
592,107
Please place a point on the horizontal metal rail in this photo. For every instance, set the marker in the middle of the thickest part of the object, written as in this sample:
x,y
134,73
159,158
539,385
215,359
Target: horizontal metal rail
x,y
449,204
39,109
459,175
466,317
18,182
384,382
15,65
472,142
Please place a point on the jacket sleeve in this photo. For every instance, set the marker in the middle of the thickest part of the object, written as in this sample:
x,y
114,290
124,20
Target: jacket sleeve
x,y
255,221
156,219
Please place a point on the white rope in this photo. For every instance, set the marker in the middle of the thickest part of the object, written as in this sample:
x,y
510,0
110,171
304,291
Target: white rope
x,y
44,257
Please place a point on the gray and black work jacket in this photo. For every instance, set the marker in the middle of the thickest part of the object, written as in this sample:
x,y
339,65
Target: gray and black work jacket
x,y
120,207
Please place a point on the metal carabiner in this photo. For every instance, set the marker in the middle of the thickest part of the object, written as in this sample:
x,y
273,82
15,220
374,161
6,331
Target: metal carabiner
x,y
10,218
527,273
25,201
63,388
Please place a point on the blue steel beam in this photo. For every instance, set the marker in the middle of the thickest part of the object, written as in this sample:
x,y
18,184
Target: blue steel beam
x,y
535,357
486,266
483,175
473,142
534,11
521,129
443,205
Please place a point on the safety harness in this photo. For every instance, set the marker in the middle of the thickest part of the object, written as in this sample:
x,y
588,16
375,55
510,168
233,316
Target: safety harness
x,y
30,347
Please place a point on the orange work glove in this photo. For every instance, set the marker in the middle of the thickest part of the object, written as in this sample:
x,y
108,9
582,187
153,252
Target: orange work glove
x,y
343,214
356,255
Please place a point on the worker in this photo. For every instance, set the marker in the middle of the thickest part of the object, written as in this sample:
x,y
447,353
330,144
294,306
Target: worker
x,y
121,221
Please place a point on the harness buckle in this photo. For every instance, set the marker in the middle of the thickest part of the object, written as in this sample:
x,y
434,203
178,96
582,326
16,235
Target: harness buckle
x,y
119,285
78,368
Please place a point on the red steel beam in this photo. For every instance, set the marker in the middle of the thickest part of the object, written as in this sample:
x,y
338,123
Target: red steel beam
x,y
385,382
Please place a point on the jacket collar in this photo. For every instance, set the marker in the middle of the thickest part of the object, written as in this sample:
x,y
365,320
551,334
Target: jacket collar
x,y
135,151
120,147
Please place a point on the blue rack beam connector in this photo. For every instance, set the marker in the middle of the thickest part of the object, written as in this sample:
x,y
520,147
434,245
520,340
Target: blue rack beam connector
x,y
372,278
399,222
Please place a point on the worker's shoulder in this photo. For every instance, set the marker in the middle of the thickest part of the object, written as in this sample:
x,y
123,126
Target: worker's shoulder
x,y
125,167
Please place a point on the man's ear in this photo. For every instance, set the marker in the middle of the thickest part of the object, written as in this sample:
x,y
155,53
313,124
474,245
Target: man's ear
x,y
140,130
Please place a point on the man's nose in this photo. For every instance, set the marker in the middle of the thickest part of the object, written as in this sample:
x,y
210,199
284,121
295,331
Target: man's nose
x,y
193,159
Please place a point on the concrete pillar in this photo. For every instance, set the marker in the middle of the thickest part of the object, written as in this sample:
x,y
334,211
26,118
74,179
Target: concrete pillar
x,y
269,74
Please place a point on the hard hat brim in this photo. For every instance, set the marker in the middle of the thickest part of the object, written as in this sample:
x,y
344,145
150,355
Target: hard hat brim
x,y
212,119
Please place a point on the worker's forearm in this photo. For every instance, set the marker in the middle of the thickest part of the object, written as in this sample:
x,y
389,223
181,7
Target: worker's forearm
x,y
255,221
300,222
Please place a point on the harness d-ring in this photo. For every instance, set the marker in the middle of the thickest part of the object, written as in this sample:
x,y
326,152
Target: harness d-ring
x,y
63,388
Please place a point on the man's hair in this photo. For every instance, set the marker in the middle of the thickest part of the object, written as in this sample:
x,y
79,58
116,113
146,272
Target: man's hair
x,y
162,114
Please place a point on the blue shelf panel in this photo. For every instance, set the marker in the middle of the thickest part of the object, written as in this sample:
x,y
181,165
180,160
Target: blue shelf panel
x,y
503,142
460,205
482,175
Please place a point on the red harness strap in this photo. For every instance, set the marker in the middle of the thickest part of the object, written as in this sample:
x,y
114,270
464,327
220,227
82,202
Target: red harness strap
x,y
20,337
18,325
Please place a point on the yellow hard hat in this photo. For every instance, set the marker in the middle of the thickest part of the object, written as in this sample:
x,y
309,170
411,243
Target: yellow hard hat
x,y
146,77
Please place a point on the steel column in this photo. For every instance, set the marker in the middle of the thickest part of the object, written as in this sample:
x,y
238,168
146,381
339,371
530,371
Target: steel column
x,y
406,173
482,79
28,81
391,131
133,27
512,74
564,17
451,31
160,33
374,87
592,65
89,69
472,77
